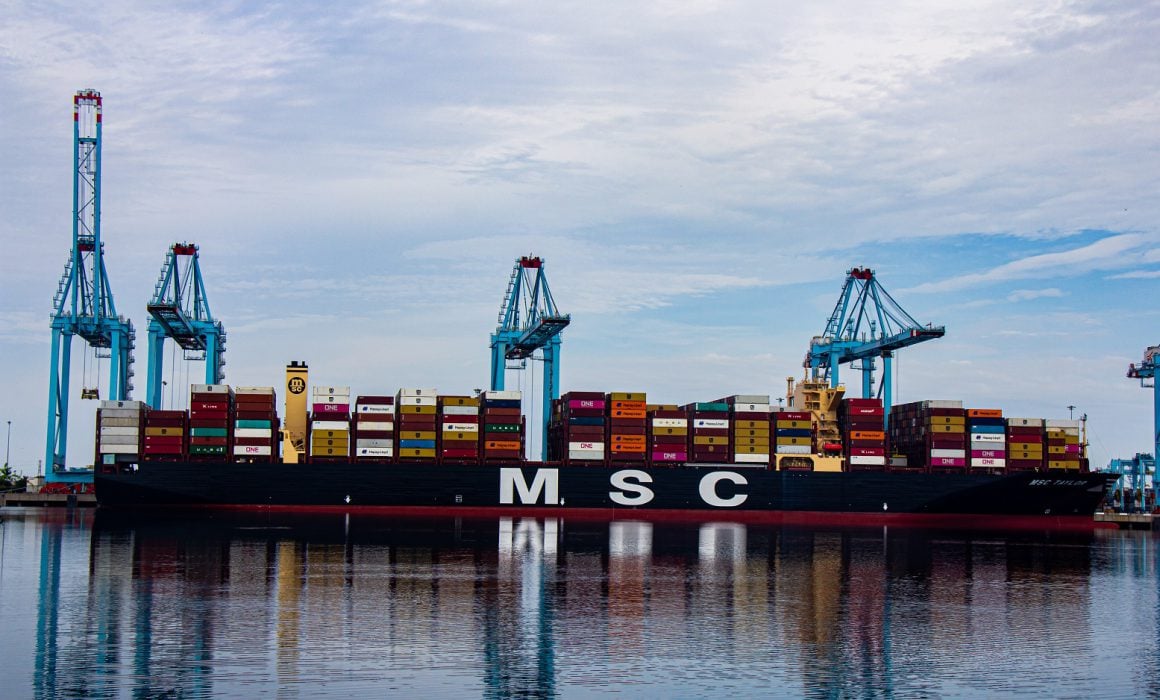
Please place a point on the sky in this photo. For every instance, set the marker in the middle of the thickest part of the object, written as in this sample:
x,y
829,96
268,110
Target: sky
x,y
698,177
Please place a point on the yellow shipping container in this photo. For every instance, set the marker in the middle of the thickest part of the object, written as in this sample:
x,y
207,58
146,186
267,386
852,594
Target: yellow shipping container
x,y
165,431
795,441
627,396
418,410
947,420
710,440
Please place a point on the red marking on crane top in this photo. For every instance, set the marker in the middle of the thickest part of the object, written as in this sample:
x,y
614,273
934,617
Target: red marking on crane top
x,y
862,273
85,247
530,262
184,249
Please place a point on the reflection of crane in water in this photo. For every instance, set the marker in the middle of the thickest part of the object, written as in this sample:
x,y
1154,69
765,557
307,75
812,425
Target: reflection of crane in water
x,y
520,655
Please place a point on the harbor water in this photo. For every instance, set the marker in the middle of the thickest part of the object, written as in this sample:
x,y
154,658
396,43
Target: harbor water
x,y
99,605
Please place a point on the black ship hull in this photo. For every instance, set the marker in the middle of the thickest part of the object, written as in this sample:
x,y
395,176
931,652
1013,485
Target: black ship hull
x,y
731,492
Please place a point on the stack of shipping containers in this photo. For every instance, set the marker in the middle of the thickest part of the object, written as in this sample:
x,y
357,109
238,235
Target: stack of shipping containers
x,y
210,421
862,422
931,434
459,439
793,433
503,425
576,428
374,428
1025,445
1063,445
668,435
710,432
119,430
627,427
988,433
749,422
255,424
330,423
417,424
165,434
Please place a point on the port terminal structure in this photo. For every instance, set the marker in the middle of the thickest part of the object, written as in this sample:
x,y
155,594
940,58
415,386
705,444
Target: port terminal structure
x,y
83,305
179,310
529,321
1135,491
866,323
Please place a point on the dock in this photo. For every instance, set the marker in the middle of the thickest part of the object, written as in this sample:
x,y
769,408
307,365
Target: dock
x,y
47,500
1128,521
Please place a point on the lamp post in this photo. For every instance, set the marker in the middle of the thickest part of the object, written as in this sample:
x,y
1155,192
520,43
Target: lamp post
x,y
8,444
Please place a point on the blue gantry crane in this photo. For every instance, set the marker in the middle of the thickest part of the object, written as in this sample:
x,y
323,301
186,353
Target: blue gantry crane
x,y
1145,371
529,321
866,323
83,305
179,310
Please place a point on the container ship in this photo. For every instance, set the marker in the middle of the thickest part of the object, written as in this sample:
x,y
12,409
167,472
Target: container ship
x,y
819,458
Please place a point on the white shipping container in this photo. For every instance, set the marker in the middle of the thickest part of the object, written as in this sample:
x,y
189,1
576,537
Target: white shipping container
x,y
951,454
793,449
670,422
210,388
751,408
253,432
375,452
942,403
461,410
586,447
330,425
252,450
125,405
1061,423
749,399
337,399
586,454
751,459
1026,422
374,442
899,461
417,392
112,422
710,422
107,431
867,460
119,449
987,462
988,445
376,425
507,395
118,440
379,408
461,427
418,400
988,437
330,390
129,413
254,390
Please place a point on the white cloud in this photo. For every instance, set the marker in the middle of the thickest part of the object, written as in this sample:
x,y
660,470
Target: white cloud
x,y
1029,294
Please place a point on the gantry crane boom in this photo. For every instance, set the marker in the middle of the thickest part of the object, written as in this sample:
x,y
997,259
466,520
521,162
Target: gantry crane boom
x,y
180,310
866,323
1144,371
529,321
83,304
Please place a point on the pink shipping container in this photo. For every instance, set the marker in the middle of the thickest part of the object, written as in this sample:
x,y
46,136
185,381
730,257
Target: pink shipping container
x,y
947,462
661,456
586,403
988,454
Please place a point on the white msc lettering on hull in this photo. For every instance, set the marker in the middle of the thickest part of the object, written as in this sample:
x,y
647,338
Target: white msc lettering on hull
x,y
546,481
709,489
620,480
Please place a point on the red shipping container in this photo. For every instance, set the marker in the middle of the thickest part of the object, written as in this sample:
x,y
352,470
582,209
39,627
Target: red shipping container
x,y
669,439
460,452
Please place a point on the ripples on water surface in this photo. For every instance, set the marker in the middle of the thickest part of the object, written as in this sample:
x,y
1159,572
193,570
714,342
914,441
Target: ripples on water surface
x,y
103,606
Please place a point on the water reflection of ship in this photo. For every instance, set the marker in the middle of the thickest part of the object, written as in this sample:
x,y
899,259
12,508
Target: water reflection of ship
x,y
511,597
